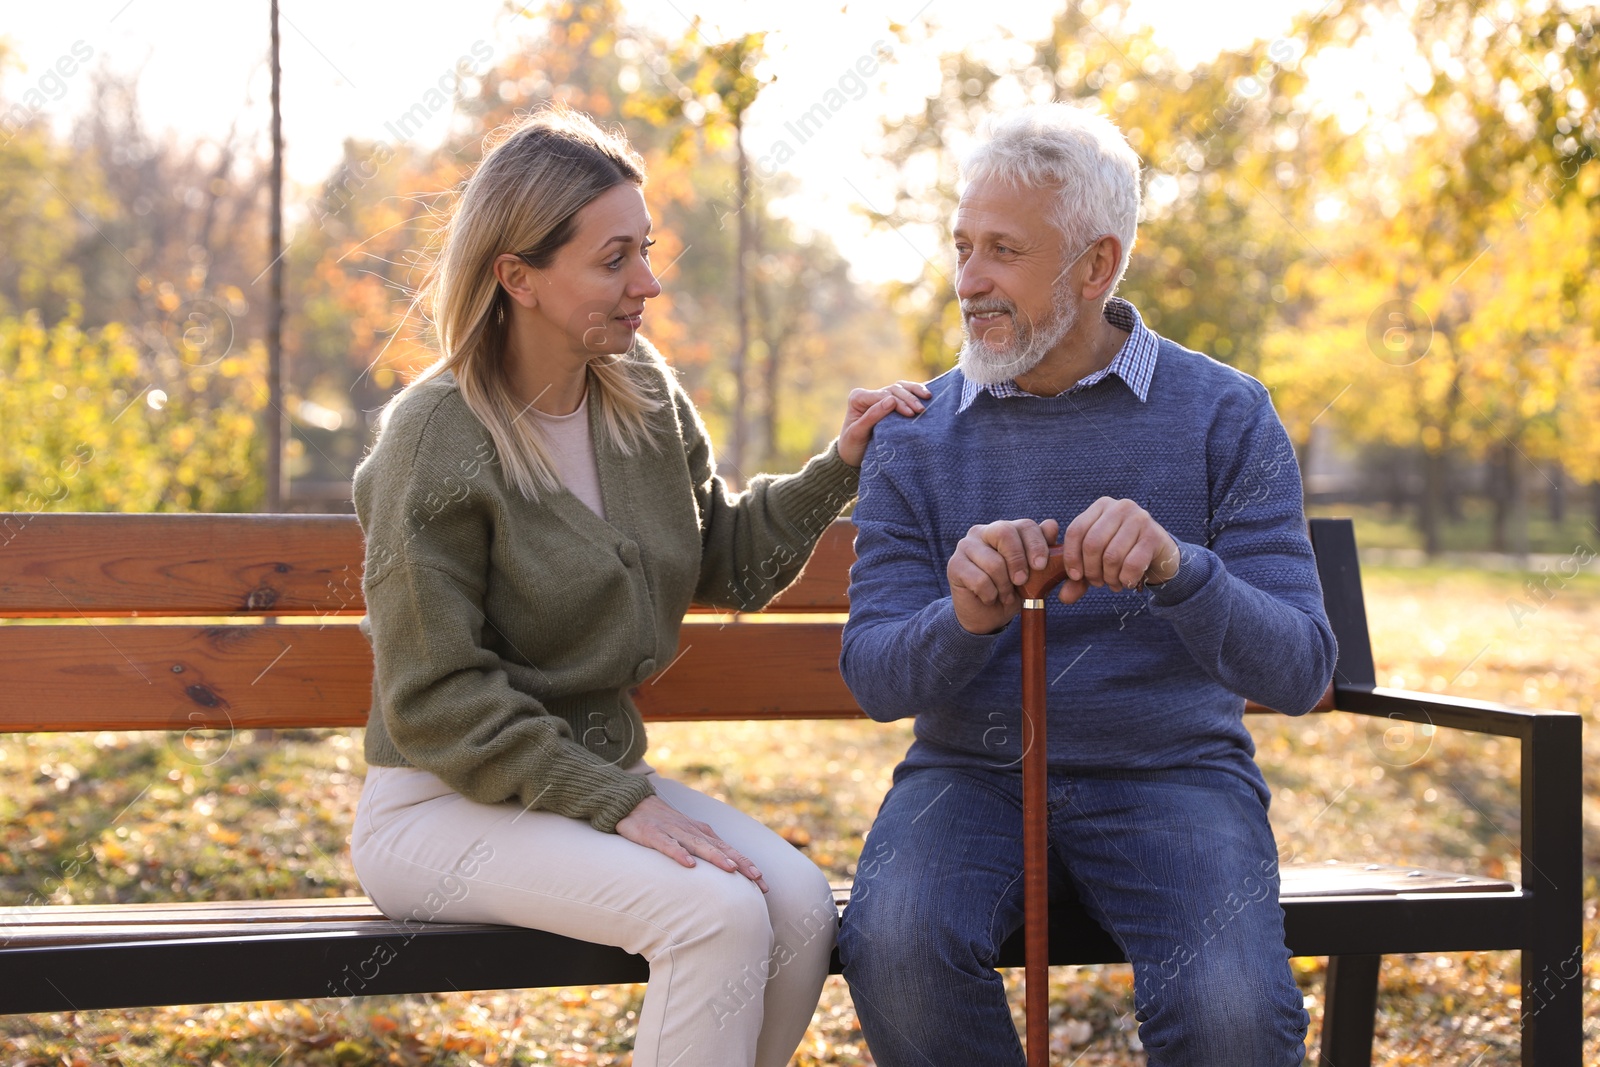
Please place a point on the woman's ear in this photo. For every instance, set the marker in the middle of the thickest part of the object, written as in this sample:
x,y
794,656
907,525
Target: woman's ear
x,y
517,279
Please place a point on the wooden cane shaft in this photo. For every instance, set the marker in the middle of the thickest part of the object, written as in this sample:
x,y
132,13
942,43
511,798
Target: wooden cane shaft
x,y
1035,837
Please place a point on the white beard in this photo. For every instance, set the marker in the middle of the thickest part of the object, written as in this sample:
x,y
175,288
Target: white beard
x,y
985,365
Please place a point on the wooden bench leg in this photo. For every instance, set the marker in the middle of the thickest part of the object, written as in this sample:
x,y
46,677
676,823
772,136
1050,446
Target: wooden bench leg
x,y
1349,1011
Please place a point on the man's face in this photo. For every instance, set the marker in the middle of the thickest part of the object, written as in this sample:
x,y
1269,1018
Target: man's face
x,y
1009,258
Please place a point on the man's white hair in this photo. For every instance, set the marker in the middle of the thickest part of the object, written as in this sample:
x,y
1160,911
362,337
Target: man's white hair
x,y
1081,154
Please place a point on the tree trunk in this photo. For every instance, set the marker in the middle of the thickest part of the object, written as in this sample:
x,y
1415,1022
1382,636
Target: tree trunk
x,y
739,453
772,334
1452,490
1558,493
1510,530
1517,492
1431,511
274,413
1500,499
769,414
1394,474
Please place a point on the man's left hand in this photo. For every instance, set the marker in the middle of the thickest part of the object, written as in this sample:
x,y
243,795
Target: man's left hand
x,y
1115,543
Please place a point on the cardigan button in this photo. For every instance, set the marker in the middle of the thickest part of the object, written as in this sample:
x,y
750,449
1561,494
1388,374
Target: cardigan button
x,y
629,553
645,670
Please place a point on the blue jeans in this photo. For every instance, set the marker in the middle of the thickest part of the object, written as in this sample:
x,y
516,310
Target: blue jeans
x,y
1179,866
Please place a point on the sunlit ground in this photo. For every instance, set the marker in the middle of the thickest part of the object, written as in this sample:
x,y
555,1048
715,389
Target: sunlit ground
x,y
270,819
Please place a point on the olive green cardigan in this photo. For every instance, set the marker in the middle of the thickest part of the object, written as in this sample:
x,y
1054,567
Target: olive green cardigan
x,y
506,634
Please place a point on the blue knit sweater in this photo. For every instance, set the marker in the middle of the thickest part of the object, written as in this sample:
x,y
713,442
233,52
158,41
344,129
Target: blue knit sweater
x,y
1137,680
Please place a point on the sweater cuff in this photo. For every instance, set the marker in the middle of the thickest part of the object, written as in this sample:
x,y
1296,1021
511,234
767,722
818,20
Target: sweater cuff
x,y
1197,565
614,802
962,654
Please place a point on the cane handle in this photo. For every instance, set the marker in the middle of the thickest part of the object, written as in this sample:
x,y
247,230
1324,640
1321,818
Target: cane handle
x,y
1042,581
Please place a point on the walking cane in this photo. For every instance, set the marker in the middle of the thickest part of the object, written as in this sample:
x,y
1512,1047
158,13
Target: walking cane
x,y
1035,827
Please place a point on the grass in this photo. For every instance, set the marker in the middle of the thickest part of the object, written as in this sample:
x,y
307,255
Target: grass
x,y
141,817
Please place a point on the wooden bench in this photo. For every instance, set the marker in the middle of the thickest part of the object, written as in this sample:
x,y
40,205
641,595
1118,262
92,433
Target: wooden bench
x,y
59,574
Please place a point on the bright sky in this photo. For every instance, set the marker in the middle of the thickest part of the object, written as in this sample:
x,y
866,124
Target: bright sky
x,y
351,68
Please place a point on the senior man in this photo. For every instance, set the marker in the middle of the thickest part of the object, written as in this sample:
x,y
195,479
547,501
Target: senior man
x,y
1170,482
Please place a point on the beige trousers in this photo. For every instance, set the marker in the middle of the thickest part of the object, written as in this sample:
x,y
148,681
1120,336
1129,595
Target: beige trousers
x,y
734,973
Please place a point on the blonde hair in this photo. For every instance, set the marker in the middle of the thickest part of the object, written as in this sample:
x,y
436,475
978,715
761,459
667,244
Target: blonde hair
x,y
524,199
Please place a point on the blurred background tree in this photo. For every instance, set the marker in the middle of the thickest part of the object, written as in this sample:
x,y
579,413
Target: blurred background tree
x,y
1281,239
680,103
79,422
1416,286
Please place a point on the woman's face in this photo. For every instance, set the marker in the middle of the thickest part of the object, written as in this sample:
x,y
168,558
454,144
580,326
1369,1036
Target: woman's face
x,y
593,292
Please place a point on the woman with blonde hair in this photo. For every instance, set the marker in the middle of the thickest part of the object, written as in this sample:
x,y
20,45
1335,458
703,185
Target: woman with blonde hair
x,y
540,509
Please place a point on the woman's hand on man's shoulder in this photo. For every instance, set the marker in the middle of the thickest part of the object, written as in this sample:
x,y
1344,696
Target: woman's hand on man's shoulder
x,y
865,408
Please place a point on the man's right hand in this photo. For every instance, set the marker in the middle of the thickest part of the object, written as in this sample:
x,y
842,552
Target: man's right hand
x,y
988,566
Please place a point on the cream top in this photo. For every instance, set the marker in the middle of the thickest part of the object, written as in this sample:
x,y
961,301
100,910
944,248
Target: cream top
x,y
572,452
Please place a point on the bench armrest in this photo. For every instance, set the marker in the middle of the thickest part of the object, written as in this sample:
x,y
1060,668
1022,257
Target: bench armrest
x,y
1454,712
1551,825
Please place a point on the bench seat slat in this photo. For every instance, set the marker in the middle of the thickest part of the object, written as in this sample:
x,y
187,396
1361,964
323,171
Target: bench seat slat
x,y
277,966
64,924
60,958
194,912
76,934
1336,879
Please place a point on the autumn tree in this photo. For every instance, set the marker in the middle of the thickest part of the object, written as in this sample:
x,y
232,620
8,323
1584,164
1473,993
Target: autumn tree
x,y
366,244
92,420
1385,275
1227,156
708,88
1442,268
129,379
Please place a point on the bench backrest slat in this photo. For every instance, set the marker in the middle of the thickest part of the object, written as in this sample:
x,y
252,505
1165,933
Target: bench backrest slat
x,y
85,673
179,676
108,566
104,566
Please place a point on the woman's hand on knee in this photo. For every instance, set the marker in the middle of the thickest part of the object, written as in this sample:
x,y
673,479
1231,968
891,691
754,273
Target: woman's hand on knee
x,y
656,824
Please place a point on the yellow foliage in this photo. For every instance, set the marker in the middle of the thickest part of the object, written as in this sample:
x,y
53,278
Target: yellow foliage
x,y
80,429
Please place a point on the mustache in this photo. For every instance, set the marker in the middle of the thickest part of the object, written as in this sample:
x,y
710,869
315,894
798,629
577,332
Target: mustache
x,y
981,307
